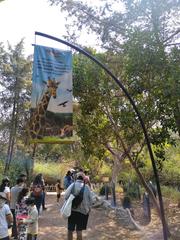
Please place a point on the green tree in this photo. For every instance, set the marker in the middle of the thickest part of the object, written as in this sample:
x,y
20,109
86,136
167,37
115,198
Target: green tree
x,y
143,32
106,122
15,81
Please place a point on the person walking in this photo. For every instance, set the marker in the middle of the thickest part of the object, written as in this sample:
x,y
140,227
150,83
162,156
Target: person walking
x,y
22,212
58,189
31,220
38,188
87,179
15,190
44,193
6,218
67,179
79,215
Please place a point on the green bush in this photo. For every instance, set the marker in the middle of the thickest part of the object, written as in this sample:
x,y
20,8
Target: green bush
x,y
171,193
51,171
132,189
15,169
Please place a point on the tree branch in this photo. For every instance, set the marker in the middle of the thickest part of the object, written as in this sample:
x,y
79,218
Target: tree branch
x,y
172,35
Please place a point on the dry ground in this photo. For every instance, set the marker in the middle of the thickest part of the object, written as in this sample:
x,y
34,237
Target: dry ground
x,y
53,227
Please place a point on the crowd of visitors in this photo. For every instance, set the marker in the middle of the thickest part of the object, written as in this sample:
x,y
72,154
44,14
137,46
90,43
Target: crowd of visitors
x,y
20,205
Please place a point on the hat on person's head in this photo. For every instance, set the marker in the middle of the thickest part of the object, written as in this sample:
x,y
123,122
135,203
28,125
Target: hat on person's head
x,y
3,195
80,174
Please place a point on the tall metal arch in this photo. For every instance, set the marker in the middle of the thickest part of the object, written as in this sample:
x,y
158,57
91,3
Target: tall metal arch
x,y
103,66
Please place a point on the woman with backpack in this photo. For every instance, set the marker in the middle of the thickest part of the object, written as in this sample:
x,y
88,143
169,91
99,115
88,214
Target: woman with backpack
x,y
81,206
38,188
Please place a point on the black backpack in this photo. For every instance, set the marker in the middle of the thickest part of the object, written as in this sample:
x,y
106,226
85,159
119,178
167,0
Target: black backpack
x,y
78,198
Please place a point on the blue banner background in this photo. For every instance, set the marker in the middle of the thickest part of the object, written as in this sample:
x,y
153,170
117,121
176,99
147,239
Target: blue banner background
x,y
56,64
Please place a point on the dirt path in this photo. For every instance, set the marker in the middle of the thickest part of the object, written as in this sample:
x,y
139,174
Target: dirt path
x,y
53,227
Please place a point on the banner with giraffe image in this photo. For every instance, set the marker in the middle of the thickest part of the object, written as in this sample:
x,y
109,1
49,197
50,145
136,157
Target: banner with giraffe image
x,y
51,119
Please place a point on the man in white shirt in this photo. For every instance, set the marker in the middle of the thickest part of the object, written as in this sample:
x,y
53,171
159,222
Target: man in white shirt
x,y
14,196
6,218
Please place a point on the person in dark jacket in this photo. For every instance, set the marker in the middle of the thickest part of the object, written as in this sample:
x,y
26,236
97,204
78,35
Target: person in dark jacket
x,y
67,179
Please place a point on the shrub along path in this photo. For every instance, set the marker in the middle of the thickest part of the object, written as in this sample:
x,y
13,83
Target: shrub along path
x,y
100,227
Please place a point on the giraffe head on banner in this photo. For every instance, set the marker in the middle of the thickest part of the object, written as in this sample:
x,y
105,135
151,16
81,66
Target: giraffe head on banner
x,y
52,86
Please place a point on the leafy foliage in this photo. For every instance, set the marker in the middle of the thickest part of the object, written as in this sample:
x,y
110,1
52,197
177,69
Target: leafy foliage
x,y
15,82
139,35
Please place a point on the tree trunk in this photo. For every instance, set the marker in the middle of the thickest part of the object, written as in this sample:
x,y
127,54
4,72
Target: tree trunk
x,y
11,143
115,171
33,155
177,118
122,157
155,202
145,185
13,129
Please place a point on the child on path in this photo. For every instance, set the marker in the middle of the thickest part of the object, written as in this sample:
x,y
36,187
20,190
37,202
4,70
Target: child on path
x,y
32,219
58,189
6,218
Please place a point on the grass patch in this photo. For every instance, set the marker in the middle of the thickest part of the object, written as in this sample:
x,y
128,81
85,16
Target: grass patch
x,y
55,140
52,170
171,193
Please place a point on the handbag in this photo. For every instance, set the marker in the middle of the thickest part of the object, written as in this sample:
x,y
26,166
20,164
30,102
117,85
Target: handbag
x,y
66,207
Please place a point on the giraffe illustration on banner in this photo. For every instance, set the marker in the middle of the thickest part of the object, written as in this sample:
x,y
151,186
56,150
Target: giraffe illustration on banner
x,y
36,128
66,131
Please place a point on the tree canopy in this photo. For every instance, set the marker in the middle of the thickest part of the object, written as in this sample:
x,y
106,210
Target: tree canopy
x,y
142,37
15,82
144,33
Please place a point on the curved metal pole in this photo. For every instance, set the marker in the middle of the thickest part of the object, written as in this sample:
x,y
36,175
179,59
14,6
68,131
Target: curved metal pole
x,y
165,230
